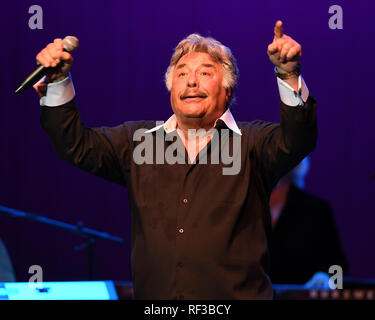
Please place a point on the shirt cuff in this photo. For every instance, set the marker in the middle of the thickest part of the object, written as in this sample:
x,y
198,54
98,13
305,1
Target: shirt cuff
x,y
58,93
289,96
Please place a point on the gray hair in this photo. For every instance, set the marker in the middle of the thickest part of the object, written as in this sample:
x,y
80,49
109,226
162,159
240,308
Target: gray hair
x,y
218,52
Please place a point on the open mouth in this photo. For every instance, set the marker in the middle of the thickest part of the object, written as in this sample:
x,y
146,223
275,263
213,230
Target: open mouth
x,y
193,97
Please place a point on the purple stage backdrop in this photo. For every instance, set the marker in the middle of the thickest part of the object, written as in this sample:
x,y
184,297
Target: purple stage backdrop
x,y
118,75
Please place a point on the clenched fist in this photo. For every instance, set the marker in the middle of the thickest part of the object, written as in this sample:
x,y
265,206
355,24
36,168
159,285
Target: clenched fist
x,y
284,52
51,56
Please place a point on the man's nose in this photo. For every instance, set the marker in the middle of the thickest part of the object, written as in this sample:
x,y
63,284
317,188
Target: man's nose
x,y
192,81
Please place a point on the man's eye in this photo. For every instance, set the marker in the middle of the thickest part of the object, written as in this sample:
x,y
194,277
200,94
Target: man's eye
x,y
182,74
205,73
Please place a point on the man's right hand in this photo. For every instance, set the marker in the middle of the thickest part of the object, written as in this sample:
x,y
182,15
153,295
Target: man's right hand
x,y
51,56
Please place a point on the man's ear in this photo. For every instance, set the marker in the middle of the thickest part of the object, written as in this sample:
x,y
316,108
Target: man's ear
x,y
228,94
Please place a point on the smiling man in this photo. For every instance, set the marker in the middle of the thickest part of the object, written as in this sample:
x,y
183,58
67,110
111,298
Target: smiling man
x,y
197,233
198,97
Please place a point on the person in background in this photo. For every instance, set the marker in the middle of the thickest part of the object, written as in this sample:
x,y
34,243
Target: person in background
x,y
305,241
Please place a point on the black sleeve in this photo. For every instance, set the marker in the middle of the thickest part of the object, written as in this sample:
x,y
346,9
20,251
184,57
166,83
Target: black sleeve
x,y
104,152
280,147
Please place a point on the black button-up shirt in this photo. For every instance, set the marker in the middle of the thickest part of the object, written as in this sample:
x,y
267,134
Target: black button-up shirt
x,y
196,233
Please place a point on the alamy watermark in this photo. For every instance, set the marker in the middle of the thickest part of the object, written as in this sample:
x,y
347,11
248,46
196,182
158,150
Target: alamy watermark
x,y
336,21
225,148
36,20
36,280
336,280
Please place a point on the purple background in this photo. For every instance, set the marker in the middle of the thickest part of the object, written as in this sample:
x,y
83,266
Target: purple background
x,y
118,75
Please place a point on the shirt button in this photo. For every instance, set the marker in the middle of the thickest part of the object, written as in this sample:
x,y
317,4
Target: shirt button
x,y
181,230
180,264
185,200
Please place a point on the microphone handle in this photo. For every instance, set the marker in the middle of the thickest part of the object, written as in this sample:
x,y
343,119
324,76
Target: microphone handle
x,y
32,78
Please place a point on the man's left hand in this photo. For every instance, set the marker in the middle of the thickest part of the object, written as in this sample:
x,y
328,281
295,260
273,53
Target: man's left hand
x,y
284,52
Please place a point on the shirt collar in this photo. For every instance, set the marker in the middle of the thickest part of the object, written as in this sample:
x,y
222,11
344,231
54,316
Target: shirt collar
x,y
171,124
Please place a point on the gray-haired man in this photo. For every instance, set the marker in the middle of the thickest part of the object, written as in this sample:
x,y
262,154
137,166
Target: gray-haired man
x,y
197,233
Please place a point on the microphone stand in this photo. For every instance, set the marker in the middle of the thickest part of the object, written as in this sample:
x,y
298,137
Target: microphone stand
x,y
90,235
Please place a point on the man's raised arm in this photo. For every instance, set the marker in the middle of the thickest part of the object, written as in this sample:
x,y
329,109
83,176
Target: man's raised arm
x,y
281,147
96,150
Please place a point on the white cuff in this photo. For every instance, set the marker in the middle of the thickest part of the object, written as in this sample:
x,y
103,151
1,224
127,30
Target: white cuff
x,y
58,93
289,96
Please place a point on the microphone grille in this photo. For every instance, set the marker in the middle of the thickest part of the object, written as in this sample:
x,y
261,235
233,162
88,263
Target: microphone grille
x,y
70,43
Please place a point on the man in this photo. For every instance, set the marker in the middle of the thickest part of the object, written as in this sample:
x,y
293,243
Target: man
x,y
197,233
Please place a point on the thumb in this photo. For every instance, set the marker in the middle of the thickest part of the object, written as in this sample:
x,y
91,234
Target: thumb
x,y
272,48
41,88
66,56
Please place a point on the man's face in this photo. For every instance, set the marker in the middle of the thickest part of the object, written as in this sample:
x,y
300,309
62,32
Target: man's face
x,y
197,94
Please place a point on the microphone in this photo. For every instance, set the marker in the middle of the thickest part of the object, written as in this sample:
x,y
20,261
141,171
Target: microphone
x,y
70,44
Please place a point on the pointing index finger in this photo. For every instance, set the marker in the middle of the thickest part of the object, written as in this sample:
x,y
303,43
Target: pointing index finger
x,y
279,32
